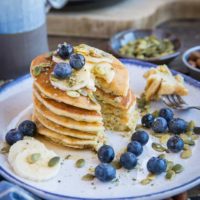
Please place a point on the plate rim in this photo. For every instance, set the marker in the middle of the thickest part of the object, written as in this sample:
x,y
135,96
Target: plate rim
x,y
141,64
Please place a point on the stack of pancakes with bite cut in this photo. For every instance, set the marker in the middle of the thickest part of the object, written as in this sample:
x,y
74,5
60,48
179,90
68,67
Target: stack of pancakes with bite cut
x,y
79,121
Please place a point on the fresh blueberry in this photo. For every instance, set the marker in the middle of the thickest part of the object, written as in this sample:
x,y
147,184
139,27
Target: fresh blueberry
x,y
141,136
65,50
159,125
177,126
77,61
175,144
28,128
13,136
156,165
147,120
166,113
62,70
105,172
128,160
135,147
106,154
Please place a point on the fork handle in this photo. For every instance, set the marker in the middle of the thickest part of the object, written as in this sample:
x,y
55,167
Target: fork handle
x,y
195,107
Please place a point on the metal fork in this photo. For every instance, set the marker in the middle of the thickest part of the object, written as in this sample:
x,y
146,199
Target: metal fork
x,y
176,102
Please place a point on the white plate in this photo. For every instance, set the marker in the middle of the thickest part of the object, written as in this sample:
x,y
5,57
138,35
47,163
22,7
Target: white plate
x,y
15,100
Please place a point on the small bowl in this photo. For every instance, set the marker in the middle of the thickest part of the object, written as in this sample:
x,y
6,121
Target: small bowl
x,y
194,72
122,38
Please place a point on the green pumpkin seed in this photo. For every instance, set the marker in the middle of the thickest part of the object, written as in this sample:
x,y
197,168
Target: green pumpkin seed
x,y
189,133
170,174
33,158
116,164
83,92
190,142
139,126
53,161
88,177
164,138
169,165
191,126
151,176
145,181
73,94
186,154
92,98
194,137
177,168
80,163
162,156
37,70
186,146
155,113
5,149
158,147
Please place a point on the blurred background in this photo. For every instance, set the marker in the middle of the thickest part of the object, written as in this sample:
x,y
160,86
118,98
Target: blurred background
x,y
31,27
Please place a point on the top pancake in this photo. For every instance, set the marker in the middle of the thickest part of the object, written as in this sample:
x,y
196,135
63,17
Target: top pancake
x,y
42,82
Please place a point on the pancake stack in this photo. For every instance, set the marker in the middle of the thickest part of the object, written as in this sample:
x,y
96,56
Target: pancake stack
x,y
78,118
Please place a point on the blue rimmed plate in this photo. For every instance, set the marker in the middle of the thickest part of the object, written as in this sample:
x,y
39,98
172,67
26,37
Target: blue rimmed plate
x,y
15,106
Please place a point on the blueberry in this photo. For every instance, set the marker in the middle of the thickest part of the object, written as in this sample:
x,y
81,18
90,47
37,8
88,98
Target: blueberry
x,y
106,154
65,50
166,113
141,136
177,126
135,147
159,125
28,128
105,172
77,61
156,165
13,136
62,70
128,160
175,144
147,120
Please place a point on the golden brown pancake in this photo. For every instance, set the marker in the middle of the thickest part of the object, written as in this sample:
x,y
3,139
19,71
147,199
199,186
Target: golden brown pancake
x,y
65,110
66,122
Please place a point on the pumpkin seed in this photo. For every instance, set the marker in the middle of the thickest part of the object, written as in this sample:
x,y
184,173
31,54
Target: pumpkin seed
x,y
177,168
170,174
80,163
83,92
139,126
158,147
33,158
164,138
169,165
145,181
92,98
186,146
189,133
186,154
191,126
151,176
116,164
37,70
5,149
155,113
88,177
53,161
73,94
194,137
190,142
162,156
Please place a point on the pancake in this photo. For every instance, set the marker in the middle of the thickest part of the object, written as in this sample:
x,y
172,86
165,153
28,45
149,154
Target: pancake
x,y
67,122
42,82
66,140
63,130
63,109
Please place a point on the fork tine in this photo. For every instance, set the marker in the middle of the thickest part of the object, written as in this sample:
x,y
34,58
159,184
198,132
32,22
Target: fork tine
x,y
180,99
177,101
172,101
166,101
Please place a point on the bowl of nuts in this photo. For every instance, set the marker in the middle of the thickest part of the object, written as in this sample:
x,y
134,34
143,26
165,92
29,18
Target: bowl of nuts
x,y
191,58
